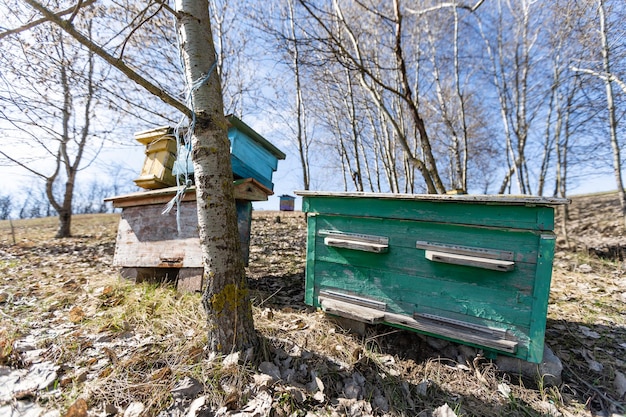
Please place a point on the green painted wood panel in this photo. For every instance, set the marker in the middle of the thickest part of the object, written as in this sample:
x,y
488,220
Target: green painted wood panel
x,y
309,288
470,300
404,233
541,295
415,264
510,216
402,277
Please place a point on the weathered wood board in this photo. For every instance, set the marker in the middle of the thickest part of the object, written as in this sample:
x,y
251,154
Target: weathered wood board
x,y
160,157
472,269
149,241
147,238
247,189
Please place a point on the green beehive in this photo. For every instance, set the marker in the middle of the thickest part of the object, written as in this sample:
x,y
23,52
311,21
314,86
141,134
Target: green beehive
x,y
471,269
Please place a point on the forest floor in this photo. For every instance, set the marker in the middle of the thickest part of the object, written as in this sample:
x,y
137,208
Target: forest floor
x,y
77,340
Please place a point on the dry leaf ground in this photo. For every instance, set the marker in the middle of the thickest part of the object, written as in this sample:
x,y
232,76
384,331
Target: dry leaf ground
x,y
86,342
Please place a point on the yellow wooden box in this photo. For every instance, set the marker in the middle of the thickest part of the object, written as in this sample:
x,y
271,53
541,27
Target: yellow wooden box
x,y
160,156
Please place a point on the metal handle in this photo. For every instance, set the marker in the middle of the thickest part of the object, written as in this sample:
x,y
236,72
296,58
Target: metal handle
x,y
458,259
356,244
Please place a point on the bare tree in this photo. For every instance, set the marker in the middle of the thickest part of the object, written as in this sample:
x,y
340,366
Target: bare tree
x,y
610,105
226,298
6,207
282,35
343,41
513,73
50,97
607,72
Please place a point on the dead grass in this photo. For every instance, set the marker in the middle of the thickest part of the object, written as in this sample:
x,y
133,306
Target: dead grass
x,y
116,342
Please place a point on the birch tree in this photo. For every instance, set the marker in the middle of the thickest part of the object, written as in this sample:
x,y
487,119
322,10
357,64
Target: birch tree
x,y
604,61
339,27
226,299
608,79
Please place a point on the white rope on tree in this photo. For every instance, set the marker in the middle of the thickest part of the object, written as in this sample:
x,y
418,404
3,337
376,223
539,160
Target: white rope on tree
x,y
183,141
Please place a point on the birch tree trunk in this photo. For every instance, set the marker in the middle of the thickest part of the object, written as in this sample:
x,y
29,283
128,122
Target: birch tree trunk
x,y
225,299
610,104
301,133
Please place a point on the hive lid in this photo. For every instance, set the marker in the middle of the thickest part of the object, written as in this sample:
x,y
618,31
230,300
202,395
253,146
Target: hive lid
x,y
245,189
505,199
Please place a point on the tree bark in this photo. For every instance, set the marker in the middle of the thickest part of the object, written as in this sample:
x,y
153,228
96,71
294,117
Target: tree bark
x,y
610,104
226,299
301,132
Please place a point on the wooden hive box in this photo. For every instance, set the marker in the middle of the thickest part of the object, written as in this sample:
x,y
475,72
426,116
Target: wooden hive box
x,y
160,156
470,269
149,244
251,155
287,202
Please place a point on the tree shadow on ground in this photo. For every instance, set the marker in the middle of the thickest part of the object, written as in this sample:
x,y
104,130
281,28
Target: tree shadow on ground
x,y
279,291
370,385
396,371
591,355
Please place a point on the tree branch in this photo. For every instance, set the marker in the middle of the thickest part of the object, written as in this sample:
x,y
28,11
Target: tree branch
x,y
610,77
117,63
139,25
72,9
445,6
22,165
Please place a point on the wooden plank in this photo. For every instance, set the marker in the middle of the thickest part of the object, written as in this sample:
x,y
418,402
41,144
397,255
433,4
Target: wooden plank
x,y
148,136
466,250
190,280
469,335
351,311
461,332
353,299
453,323
541,296
354,244
523,200
146,238
245,189
310,278
515,216
473,261
144,198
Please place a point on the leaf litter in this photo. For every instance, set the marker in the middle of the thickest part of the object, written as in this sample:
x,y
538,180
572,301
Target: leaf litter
x,y
77,340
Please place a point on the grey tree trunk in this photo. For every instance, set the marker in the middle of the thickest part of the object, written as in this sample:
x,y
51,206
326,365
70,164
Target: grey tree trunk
x,y
610,103
225,299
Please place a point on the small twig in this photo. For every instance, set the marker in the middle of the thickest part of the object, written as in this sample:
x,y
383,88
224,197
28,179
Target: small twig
x,y
273,294
370,338
617,404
